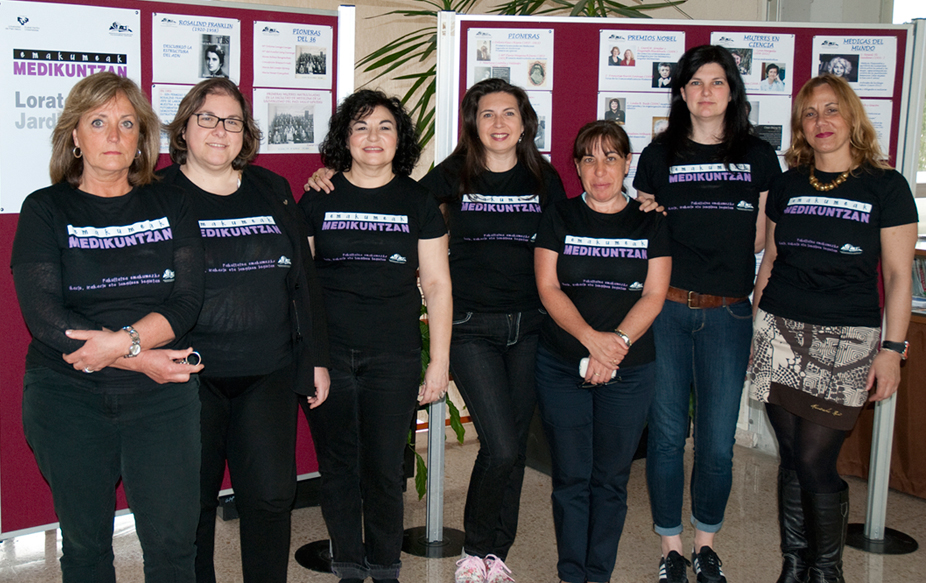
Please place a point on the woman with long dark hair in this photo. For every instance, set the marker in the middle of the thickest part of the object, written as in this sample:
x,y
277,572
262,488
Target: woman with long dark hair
x,y
707,168
832,218
492,190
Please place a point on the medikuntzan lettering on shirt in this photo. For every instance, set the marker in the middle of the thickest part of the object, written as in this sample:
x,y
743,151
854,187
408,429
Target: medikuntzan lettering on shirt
x,y
710,173
591,247
240,227
825,206
344,221
140,233
501,204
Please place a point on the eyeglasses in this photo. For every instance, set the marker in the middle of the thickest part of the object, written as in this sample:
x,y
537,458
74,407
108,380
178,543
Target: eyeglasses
x,y
209,121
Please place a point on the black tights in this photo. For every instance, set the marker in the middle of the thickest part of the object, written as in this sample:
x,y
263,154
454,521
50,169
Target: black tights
x,y
809,449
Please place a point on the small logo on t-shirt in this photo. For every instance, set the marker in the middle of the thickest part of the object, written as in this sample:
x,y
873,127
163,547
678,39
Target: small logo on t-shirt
x,y
168,276
396,258
745,206
534,238
636,286
849,249
284,261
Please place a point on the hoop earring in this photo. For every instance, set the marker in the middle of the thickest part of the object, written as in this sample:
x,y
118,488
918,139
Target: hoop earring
x,y
76,151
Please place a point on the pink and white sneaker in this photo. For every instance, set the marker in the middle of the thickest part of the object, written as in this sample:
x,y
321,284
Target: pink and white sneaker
x,y
497,571
470,569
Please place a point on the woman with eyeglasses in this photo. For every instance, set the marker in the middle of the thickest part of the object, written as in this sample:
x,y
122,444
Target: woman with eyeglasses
x,y
262,330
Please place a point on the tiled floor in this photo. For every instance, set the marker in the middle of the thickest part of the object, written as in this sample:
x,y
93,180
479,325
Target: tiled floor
x,y
747,544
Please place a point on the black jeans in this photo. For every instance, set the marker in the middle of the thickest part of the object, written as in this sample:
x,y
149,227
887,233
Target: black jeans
x,y
251,422
360,435
492,358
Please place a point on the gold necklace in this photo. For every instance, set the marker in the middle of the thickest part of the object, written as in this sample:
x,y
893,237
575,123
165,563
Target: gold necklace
x,y
830,185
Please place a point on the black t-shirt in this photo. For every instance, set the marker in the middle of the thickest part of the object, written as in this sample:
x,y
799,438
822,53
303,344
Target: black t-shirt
x,y
602,266
829,245
86,262
366,250
712,213
244,326
492,232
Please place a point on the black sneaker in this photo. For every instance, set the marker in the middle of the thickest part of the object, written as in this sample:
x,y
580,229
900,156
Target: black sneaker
x,y
673,569
706,566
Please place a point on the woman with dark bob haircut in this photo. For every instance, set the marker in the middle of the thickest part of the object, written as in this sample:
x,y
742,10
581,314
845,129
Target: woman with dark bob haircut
x,y
706,168
492,190
370,239
595,361
819,350
262,329
108,267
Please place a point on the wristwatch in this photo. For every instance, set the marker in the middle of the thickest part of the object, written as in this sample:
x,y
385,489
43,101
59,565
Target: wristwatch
x,y
135,348
624,337
898,347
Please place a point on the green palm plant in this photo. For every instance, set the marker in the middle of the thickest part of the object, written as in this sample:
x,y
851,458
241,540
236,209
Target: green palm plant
x,y
420,45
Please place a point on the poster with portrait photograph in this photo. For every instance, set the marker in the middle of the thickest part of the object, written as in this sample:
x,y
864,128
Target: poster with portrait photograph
x,y
866,62
47,49
165,99
292,122
296,56
642,115
188,49
638,60
764,59
880,112
542,102
771,117
521,56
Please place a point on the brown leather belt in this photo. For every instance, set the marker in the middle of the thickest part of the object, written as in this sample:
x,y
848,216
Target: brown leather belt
x,y
697,301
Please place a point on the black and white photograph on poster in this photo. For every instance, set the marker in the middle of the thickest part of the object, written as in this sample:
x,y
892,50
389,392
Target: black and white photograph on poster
x,y
638,60
764,59
775,76
526,54
482,73
880,113
643,115
187,49
293,56
868,63
291,121
165,99
663,72
503,73
216,51
612,109
542,102
845,66
47,49
743,59
771,117
311,60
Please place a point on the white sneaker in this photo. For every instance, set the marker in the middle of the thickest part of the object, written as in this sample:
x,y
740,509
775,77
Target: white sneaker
x,y
498,571
470,569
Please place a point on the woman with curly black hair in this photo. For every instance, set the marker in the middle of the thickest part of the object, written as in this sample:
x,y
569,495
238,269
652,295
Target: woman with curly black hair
x,y
370,239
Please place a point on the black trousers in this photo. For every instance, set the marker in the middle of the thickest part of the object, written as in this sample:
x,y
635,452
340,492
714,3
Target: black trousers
x,y
251,423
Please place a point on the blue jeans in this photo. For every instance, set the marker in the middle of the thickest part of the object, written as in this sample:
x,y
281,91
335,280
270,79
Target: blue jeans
x,y
360,435
251,423
706,351
492,358
593,432
83,442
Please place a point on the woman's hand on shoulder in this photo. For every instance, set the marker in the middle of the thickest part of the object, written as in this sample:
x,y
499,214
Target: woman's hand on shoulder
x,y
161,365
322,385
648,203
883,376
321,180
436,382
